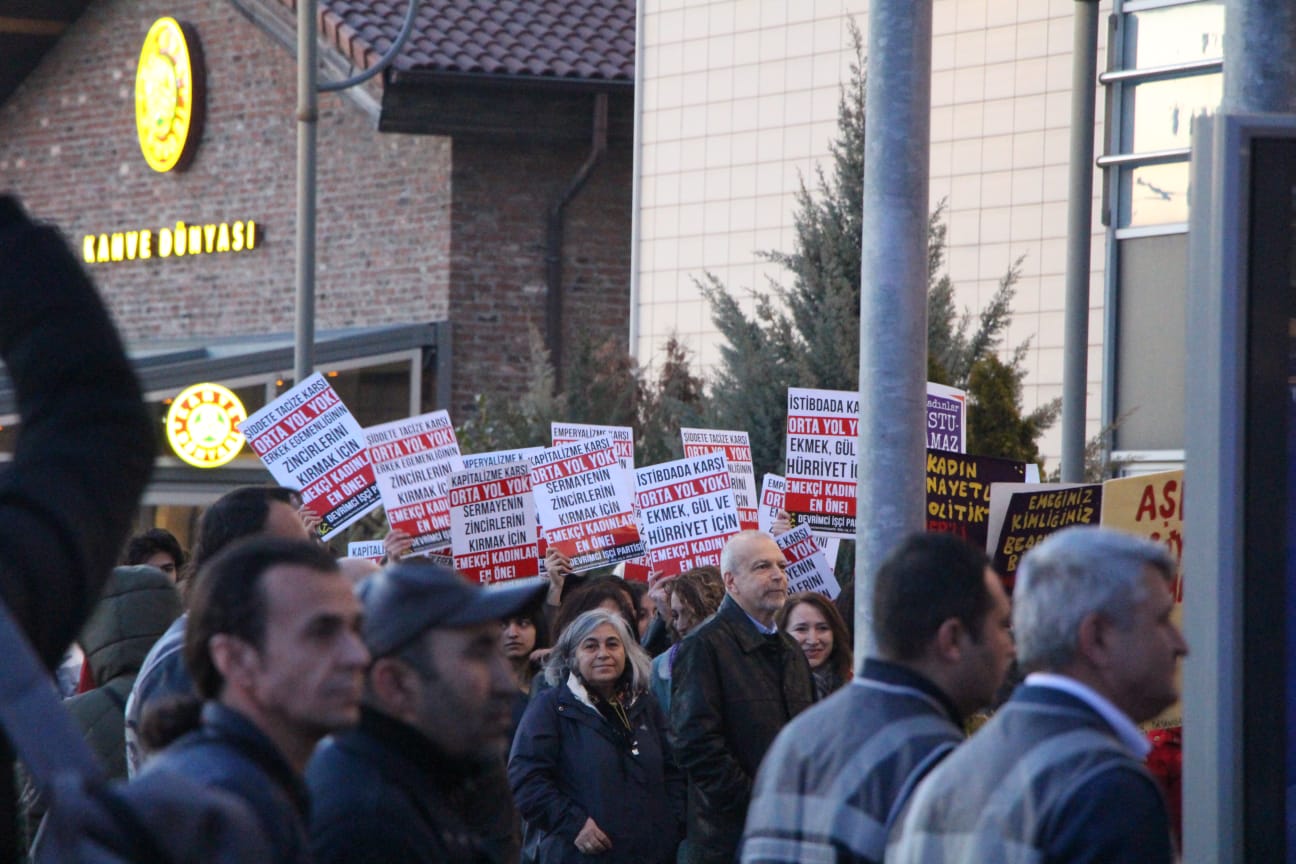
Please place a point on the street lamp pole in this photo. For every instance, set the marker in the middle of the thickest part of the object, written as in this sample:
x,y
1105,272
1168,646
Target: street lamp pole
x,y
307,126
1075,365
308,90
892,442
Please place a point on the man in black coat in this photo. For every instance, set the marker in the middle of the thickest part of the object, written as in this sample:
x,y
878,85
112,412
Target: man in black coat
x,y
422,778
83,456
736,681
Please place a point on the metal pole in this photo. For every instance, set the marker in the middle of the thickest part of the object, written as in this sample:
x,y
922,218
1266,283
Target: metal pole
x,y
1259,41
1075,368
307,122
893,293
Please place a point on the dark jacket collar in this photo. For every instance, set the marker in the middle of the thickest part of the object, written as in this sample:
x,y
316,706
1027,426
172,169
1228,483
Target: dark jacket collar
x,y
394,742
1054,698
222,723
740,624
902,676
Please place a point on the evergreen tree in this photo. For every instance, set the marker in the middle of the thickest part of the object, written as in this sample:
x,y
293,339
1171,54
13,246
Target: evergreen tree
x,y
807,334
672,401
603,385
509,422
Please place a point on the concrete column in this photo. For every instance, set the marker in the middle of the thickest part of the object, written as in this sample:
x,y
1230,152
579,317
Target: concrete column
x,y
1075,367
1260,56
893,292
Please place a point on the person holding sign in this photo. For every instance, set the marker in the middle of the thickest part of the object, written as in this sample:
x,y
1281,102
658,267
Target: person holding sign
x,y
591,769
816,625
1057,774
839,772
736,682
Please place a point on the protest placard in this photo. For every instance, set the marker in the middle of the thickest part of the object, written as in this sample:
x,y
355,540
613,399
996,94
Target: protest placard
x,y
958,491
736,446
687,512
946,418
1152,506
309,441
1023,514
771,502
371,550
498,457
622,438
822,426
413,460
808,568
493,523
773,488
586,503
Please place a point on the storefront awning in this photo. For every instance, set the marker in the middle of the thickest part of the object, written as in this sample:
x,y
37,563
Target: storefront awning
x,y
172,366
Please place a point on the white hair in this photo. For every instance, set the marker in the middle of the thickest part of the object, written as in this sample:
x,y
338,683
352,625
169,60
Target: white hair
x,y
1072,574
562,659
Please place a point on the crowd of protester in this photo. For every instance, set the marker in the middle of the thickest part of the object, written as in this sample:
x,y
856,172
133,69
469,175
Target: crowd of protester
x,y
348,713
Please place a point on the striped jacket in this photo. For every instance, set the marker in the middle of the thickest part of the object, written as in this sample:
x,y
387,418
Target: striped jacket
x,y
1046,781
837,774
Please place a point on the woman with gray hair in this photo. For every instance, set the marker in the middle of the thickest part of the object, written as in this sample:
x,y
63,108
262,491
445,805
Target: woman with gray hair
x,y
591,770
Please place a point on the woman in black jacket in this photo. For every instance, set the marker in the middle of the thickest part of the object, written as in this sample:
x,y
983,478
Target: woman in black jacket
x,y
591,770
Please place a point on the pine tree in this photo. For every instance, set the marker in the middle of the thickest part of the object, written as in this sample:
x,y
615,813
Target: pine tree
x,y
602,385
671,402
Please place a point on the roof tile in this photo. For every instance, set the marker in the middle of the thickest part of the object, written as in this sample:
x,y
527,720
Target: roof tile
x,y
580,39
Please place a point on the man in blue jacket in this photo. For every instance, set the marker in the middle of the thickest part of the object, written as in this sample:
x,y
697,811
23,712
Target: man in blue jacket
x,y
422,777
273,644
1057,774
836,774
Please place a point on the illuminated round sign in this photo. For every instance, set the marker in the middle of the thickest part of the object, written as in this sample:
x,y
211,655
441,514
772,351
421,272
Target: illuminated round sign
x,y
202,425
168,95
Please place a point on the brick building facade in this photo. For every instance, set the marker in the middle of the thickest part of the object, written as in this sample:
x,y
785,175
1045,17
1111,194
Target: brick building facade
x,y
447,225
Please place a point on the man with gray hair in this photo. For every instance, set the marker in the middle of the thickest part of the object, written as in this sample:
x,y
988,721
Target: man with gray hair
x,y
1057,774
736,682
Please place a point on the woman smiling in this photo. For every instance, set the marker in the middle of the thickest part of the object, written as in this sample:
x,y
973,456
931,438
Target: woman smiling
x,y
816,625
591,769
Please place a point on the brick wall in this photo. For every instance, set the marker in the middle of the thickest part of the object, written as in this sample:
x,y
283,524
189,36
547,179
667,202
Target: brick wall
x,y
503,192
68,147
386,250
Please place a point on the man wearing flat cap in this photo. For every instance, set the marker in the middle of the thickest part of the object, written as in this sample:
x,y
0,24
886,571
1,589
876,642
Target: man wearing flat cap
x,y
422,777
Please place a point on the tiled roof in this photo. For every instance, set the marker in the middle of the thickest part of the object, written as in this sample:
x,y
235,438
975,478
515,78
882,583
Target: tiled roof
x,y
553,39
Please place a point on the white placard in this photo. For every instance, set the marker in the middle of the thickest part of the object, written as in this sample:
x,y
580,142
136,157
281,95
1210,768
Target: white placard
x,y
822,428
309,440
413,460
808,568
622,438
493,523
686,512
736,446
373,550
771,501
585,503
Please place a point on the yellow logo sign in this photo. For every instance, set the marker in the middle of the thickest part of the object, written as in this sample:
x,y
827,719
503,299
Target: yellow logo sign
x,y
168,95
202,425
